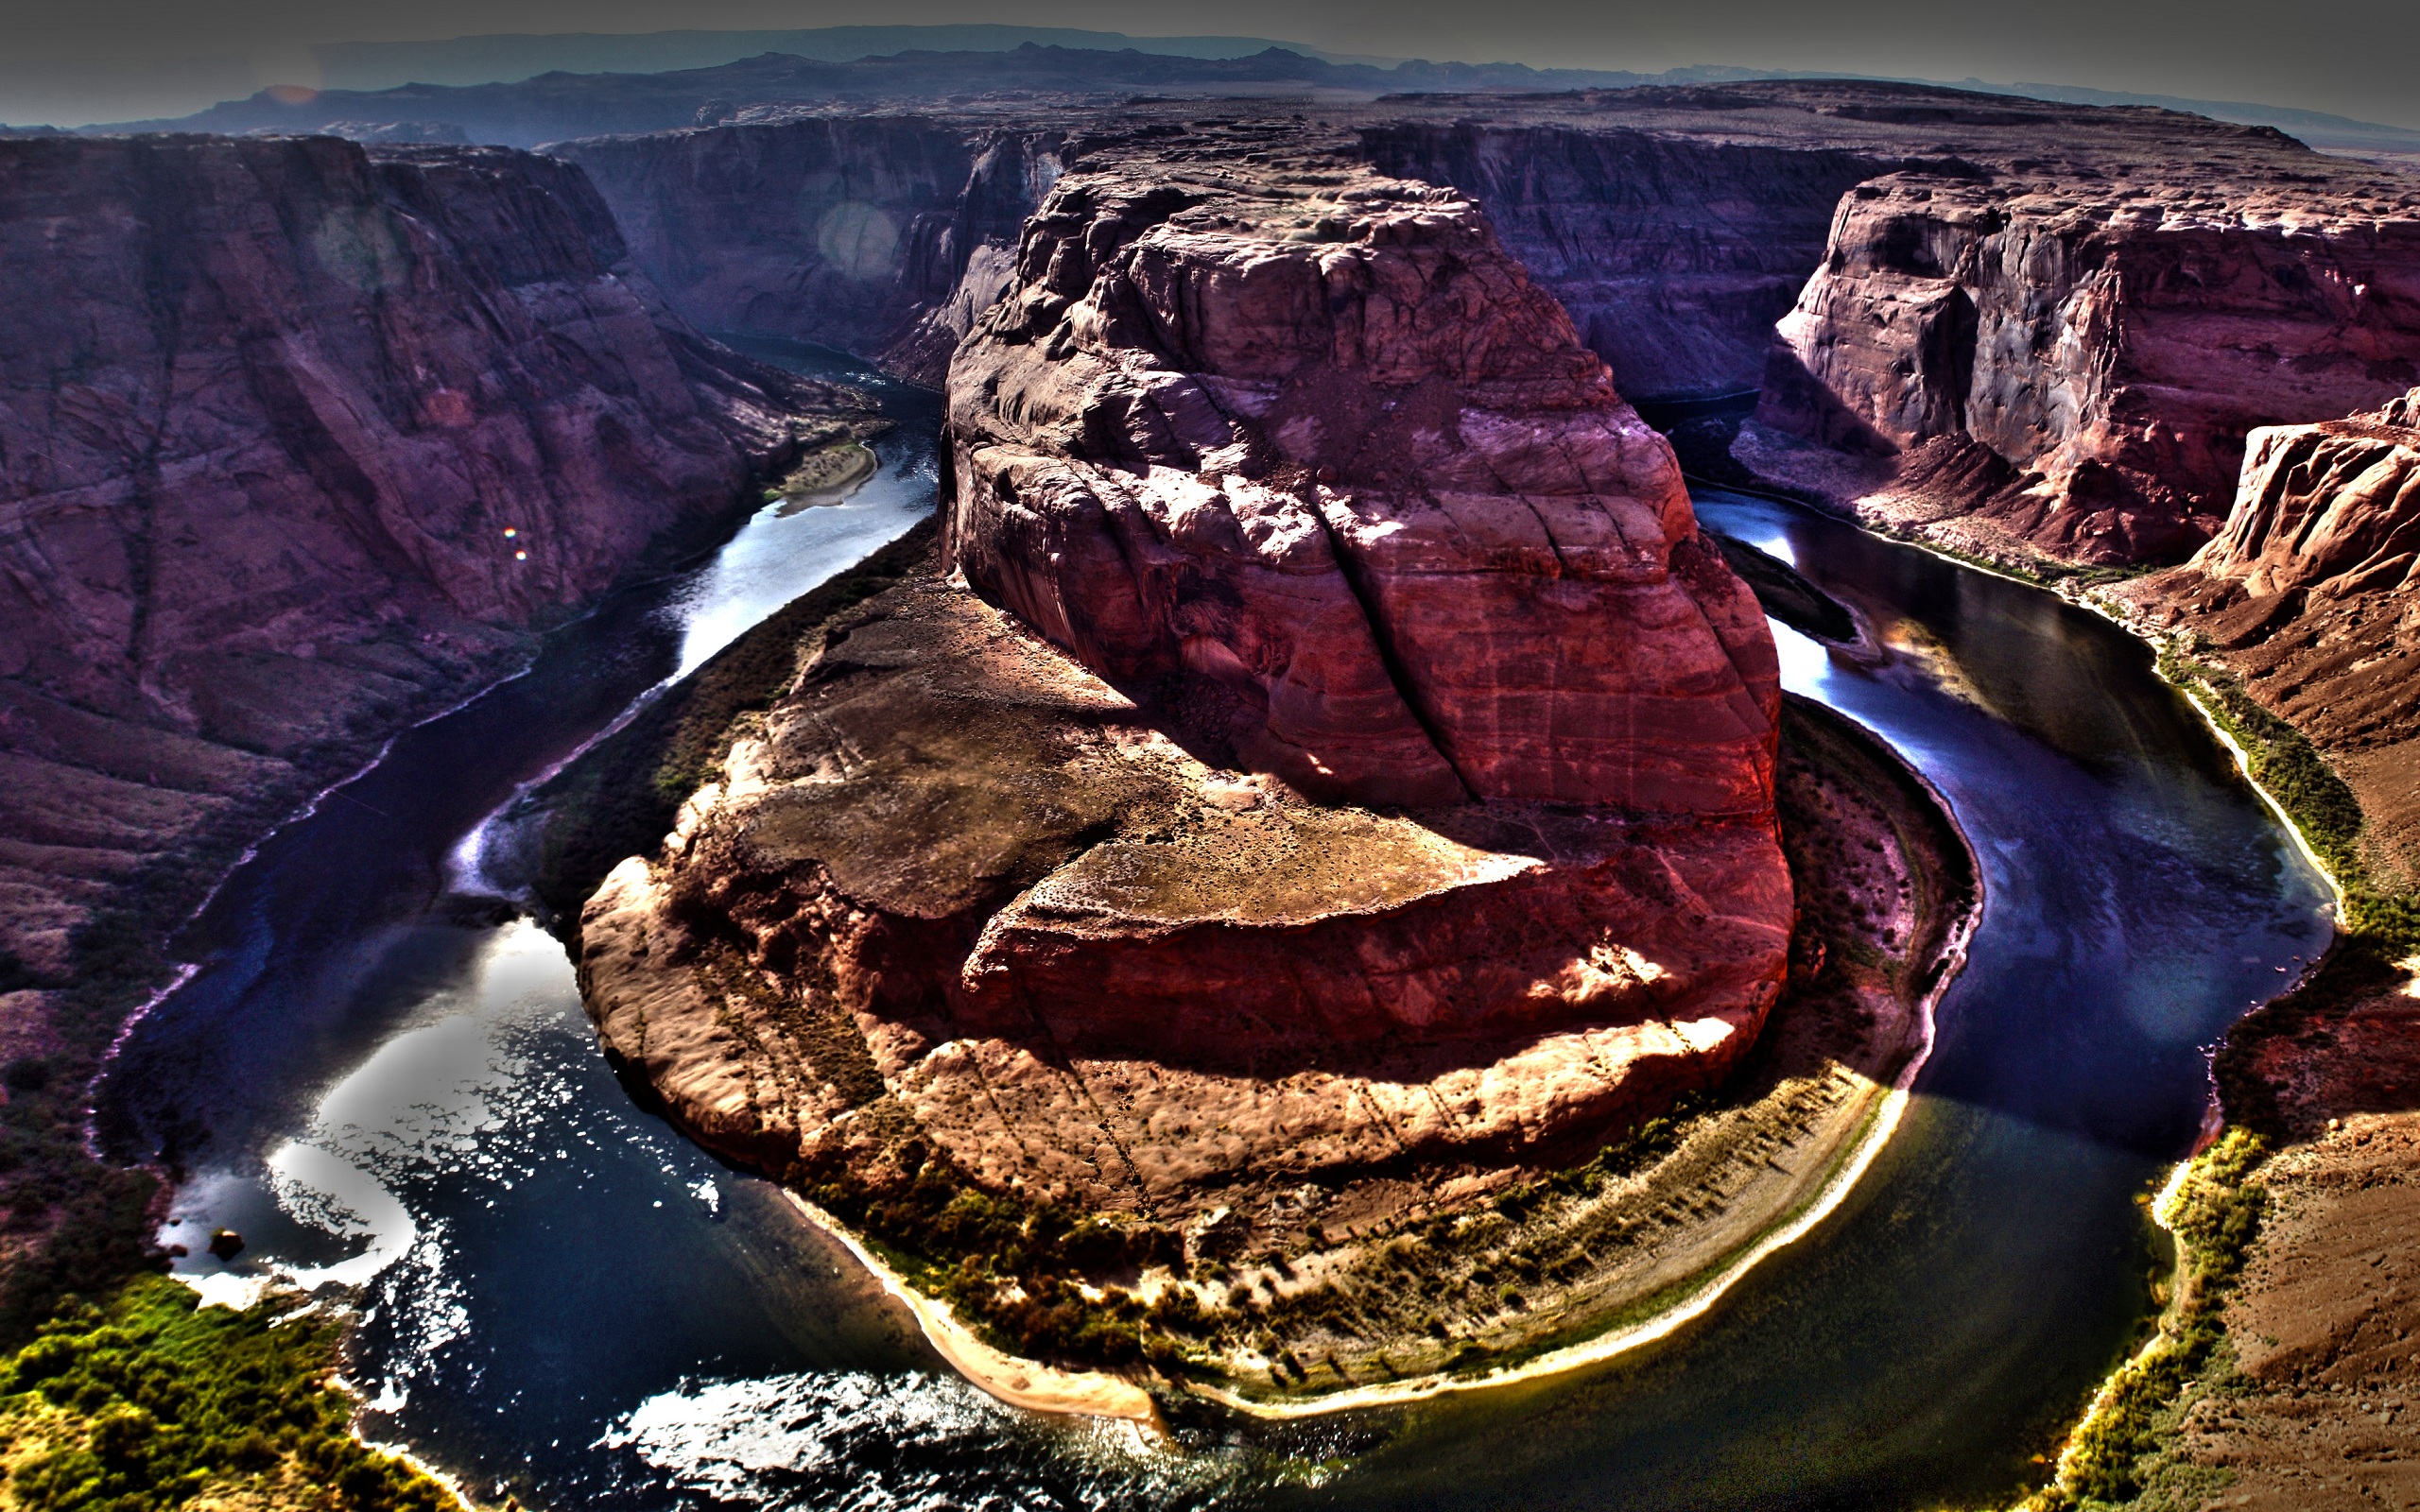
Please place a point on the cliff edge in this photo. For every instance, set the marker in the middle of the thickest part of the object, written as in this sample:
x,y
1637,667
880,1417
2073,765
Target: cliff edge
x,y
296,442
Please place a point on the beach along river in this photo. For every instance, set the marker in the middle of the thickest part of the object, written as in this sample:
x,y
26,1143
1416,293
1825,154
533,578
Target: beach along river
x,y
380,1075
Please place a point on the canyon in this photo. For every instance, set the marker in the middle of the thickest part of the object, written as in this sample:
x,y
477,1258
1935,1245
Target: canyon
x,y
301,442
1321,788
1322,782
2308,596
1227,637
2028,331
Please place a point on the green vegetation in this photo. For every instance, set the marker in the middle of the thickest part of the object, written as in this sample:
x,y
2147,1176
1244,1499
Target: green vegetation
x,y
1043,1283
1019,1275
1397,1296
827,467
152,1400
2042,571
2122,1452
2322,807
2117,1452
139,1413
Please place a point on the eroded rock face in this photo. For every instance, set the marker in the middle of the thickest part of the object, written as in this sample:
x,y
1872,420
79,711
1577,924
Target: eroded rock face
x,y
956,877
2107,346
1674,253
294,441
2311,592
2049,326
1318,445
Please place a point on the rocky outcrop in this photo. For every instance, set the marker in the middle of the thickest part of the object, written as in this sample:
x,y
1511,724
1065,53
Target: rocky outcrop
x,y
2079,355
882,234
1321,450
954,876
296,440
2312,594
1361,771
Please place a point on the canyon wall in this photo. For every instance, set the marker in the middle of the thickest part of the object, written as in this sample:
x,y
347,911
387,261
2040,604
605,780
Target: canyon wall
x,y
2310,593
2045,328
2080,357
296,440
1674,256
883,235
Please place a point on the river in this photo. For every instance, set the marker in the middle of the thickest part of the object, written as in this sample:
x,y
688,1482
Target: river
x,y
380,1075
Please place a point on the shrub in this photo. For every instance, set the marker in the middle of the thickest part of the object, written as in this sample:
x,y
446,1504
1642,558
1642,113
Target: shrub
x,y
154,1399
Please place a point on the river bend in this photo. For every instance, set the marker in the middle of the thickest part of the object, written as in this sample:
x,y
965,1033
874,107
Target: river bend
x,y
381,1076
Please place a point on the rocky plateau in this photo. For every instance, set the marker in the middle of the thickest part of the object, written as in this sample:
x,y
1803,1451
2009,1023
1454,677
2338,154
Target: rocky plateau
x,y
2030,329
1323,780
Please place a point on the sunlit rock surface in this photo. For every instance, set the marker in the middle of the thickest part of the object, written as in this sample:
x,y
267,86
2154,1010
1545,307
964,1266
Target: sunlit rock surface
x,y
2312,594
1333,754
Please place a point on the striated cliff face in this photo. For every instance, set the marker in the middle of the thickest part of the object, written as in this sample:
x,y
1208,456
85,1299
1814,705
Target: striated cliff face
x,y
2312,594
2077,357
1674,255
295,438
1325,449
2030,329
881,235
1334,754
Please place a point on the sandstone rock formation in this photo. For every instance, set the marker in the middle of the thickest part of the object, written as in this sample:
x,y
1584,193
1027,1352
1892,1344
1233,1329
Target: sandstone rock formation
x,y
1370,781
2045,327
2111,346
1319,445
1674,253
956,876
296,440
2312,594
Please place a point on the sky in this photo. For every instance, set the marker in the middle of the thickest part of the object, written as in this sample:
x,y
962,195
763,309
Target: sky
x,y
73,62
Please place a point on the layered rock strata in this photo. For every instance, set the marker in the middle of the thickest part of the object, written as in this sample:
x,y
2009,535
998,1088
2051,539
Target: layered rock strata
x,y
1674,254
1335,756
1318,448
956,876
2031,328
296,440
2310,592
2079,362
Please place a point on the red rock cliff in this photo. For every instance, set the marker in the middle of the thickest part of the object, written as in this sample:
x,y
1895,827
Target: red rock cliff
x,y
293,439
1312,480
883,235
1322,446
2106,332
1674,254
2312,594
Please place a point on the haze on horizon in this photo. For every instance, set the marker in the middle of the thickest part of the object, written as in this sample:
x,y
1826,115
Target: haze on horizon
x,y
117,59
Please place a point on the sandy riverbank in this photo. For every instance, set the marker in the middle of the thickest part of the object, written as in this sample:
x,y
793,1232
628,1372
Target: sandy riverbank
x,y
1027,1383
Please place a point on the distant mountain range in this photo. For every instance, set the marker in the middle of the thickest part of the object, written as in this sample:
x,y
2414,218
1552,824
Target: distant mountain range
x,y
504,59
522,90
556,106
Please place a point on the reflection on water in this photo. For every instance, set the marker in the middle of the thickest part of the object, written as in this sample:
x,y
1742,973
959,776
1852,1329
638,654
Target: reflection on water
x,y
384,1083
1944,1323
